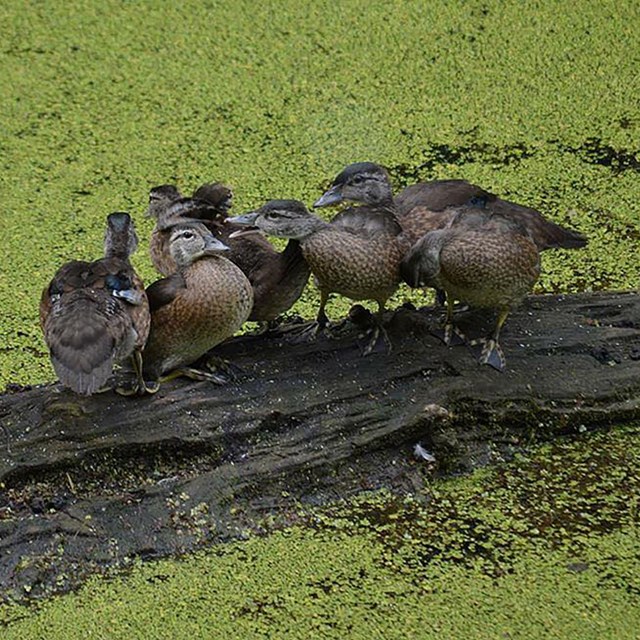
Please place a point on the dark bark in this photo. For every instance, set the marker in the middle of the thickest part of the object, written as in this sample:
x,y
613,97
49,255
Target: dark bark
x,y
87,483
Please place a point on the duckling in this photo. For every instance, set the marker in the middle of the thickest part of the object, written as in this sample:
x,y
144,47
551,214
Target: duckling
x,y
277,278
484,259
426,206
218,195
204,302
361,262
95,314
160,198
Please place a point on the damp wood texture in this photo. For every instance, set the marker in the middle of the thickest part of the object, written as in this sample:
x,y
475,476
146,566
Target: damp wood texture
x,y
87,483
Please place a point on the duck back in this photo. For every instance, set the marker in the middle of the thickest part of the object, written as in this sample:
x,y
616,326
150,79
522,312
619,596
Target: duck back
x,y
87,326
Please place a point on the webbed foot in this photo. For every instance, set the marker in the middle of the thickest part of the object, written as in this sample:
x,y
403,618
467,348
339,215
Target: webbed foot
x,y
195,374
378,336
305,332
221,367
490,353
450,335
282,326
134,387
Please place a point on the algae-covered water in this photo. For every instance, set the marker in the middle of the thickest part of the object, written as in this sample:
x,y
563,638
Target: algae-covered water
x,y
102,100
538,102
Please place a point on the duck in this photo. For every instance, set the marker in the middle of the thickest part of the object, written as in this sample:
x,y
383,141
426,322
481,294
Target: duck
x,y
96,314
205,301
169,207
278,278
358,259
484,259
426,206
218,195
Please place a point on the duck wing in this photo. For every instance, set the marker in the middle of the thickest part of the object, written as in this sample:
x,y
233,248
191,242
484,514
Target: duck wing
x,y
163,292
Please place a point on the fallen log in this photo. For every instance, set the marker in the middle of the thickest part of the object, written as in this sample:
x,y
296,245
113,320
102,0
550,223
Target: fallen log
x,y
89,483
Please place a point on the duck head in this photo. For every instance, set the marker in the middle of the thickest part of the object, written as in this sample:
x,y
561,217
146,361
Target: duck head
x,y
217,195
421,266
120,240
160,198
191,242
281,219
363,182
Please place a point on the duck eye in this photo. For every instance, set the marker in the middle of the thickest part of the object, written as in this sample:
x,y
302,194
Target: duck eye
x,y
272,215
188,235
357,180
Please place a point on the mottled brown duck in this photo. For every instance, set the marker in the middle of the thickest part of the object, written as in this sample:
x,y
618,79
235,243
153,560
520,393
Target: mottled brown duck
x,y
360,262
203,303
95,314
277,278
484,259
426,206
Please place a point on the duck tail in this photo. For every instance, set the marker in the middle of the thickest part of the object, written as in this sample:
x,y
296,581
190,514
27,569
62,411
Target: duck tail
x,y
81,345
544,233
549,235
557,237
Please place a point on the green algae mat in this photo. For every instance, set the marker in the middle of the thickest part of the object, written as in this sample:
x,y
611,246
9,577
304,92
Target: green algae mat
x,y
538,102
102,100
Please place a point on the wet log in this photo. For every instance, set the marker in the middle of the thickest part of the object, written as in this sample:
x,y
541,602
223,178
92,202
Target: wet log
x,y
89,483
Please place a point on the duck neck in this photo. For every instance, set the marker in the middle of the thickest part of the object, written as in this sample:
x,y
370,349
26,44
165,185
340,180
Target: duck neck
x,y
118,248
314,225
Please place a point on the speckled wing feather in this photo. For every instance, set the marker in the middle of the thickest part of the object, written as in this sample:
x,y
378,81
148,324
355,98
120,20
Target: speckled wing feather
x,y
88,323
81,332
438,195
163,292
544,233
424,207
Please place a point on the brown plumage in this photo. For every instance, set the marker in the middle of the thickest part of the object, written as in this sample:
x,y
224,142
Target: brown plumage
x,y
204,302
426,206
219,196
169,208
94,314
348,257
277,278
483,259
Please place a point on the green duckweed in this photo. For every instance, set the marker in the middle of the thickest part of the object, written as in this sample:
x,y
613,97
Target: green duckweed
x,y
102,100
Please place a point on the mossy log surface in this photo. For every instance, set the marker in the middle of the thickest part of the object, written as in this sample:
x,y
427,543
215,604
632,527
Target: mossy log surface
x,y
88,483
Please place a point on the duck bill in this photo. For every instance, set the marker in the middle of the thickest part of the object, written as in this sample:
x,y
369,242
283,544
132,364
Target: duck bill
x,y
246,220
249,231
213,245
226,205
332,196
